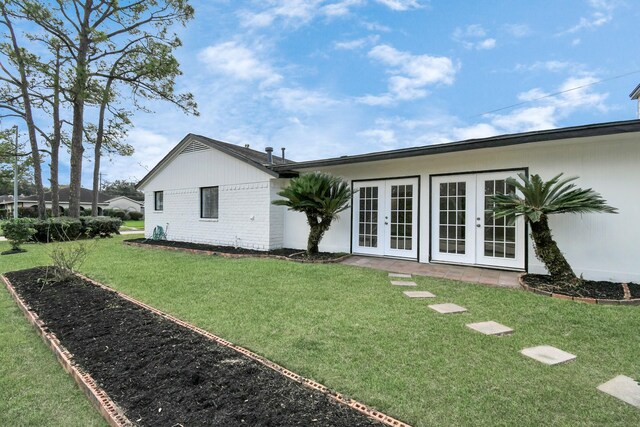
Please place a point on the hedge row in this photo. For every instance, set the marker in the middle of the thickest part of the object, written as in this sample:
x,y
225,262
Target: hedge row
x,y
65,228
119,213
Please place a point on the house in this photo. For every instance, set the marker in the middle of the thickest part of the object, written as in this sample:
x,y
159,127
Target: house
x,y
6,202
125,204
426,204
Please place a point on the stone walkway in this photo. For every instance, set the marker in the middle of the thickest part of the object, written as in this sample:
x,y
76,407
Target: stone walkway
x,y
486,276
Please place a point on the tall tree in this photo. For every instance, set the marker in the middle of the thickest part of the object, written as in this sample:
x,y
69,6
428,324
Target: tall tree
x,y
16,96
94,34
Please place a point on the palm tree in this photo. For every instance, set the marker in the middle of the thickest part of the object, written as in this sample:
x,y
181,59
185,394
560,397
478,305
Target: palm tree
x,y
537,201
320,197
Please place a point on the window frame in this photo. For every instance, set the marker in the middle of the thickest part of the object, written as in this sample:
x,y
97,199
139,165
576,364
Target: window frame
x,y
216,201
155,201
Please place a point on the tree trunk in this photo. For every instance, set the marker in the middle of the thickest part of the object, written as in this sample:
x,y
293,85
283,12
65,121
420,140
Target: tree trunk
x,y
55,142
548,252
97,152
79,94
316,232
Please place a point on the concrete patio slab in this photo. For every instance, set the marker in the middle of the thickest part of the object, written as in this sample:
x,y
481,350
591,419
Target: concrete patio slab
x,y
419,294
548,355
403,283
400,275
624,388
490,328
447,308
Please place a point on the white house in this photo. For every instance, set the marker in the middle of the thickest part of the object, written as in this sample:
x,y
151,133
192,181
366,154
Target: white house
x,y
125,204
424,203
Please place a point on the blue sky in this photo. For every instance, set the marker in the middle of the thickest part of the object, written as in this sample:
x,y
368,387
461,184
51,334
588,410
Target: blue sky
x,y
332,77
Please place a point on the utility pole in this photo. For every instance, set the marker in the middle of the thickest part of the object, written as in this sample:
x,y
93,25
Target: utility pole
x,y
15,178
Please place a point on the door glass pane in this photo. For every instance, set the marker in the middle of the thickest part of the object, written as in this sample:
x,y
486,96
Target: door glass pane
x,y
453,219
401,233
368,221
498,231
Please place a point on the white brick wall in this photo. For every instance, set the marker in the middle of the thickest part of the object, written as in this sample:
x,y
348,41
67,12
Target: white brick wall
x,y
243,220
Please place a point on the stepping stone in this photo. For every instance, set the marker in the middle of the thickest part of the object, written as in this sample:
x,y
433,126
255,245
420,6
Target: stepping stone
x,y
419,294
447,308
403,283
490,328
400,275
624,388
548,355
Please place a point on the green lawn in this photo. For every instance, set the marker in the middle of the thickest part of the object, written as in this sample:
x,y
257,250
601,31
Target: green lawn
x,y
131,224
349,329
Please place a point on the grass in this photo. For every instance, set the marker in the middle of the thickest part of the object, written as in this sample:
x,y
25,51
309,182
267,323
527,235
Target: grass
x,y
349,329
133,225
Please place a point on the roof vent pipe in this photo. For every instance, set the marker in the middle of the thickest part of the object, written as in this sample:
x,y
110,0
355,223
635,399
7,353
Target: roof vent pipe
x,y
283,160
269,151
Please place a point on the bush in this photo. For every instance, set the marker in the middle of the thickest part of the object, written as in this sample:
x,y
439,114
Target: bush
x,y
67,259
117,213
58,229
18,231
102,226
136,216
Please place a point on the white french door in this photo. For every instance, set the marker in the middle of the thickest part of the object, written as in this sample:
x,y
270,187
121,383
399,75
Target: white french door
x,y
385,218
464,230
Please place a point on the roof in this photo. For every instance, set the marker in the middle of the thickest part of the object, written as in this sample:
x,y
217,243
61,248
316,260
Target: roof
x,y
86,196
126,198
598,129
635,94
257,159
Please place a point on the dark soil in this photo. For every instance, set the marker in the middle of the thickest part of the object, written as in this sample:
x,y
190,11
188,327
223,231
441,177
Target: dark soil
x,y
286,252
587,289
162,374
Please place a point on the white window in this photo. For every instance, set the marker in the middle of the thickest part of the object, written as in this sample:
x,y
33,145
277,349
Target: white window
x,y
209,202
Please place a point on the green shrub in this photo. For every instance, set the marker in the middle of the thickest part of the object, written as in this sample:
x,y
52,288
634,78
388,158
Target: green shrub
x,y
18,231
102,226
117,213
60,229
136,216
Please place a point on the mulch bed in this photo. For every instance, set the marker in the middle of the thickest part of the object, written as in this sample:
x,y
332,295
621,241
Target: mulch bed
x,y
163,374
600,290
288,253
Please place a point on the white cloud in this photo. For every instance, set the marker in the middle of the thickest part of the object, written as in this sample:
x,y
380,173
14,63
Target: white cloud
x,y
374,26
401,5
602,14
553,66
301,100
381,137
410,74
340,8
238,62
356,44
517,30
473,37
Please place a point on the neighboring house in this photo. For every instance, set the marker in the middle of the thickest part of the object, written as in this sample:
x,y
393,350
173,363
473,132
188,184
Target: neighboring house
x,y
63,196
427,204
125,204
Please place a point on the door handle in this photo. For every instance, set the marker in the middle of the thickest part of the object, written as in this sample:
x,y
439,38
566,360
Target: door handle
x,y
386,223
478,225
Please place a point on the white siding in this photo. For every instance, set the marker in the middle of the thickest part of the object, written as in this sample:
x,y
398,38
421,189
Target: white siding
x,y
244,201
600,246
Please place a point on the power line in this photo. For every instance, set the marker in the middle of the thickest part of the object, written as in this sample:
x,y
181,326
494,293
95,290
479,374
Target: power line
x,y
619,76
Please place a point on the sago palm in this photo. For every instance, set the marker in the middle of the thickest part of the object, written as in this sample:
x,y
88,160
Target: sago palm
x,y
320,197
537,200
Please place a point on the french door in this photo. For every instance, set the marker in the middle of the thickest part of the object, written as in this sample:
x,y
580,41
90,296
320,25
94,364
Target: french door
x,y
385,218
464,229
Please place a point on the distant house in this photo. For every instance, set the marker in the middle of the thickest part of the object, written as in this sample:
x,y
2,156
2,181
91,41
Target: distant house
x,y
427,204
125,204
6,202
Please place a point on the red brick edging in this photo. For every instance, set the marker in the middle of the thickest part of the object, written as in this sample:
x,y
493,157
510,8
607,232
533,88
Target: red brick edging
x,y
629,301
116,418
98,398
230,255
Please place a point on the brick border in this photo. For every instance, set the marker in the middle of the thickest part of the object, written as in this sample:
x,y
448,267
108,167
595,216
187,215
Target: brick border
x,y
628,301
116,418
230,255
99,399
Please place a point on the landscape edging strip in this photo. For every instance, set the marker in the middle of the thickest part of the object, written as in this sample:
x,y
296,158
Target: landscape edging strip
x,y
360,407
98,397
230,255
587,300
